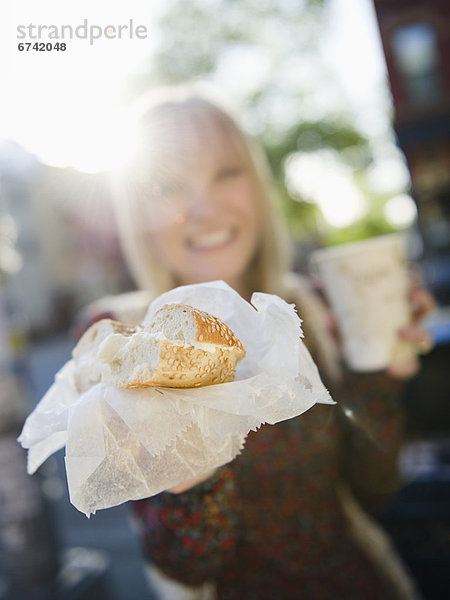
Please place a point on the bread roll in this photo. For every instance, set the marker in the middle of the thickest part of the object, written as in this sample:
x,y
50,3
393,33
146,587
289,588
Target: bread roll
x,y
181,347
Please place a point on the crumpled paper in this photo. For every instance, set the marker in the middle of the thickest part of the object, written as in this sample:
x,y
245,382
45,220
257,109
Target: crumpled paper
x,y
129,444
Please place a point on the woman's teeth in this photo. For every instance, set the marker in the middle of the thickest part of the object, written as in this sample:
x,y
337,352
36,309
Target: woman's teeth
x,y
210,240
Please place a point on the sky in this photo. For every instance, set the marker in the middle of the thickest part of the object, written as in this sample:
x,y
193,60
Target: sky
x,y
67,106
352,48
64,106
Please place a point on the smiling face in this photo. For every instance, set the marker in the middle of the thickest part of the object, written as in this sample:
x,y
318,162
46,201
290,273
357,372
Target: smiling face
x,y
202,204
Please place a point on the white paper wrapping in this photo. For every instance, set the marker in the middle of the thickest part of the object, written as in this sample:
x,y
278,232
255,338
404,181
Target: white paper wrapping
x,y
130,444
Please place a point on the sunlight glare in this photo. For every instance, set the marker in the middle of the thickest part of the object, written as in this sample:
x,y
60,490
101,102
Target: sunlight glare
x,y
321,177
78,124
401,210
67,108
388,175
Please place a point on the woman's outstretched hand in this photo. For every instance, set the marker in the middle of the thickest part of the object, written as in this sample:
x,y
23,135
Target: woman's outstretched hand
x,y
187,485
422,303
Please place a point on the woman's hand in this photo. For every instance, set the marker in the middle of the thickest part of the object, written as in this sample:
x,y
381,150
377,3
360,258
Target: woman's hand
x,y
420,339
187,485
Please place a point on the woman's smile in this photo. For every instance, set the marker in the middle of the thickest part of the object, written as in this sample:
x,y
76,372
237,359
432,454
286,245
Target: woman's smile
x,y
217,239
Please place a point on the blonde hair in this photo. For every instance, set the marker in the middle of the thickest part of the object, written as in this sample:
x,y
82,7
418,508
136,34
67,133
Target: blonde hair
x,y
192,106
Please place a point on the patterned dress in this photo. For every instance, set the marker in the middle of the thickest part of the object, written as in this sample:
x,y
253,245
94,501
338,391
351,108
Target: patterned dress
x,y
271,524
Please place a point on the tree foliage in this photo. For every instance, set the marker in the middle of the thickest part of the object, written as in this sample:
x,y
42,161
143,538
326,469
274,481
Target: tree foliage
x,y
196,33
282,98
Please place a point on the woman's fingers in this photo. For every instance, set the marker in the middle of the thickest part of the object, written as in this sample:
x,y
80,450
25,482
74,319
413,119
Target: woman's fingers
x,y
422,303
421,342
187,485
404,370
419,337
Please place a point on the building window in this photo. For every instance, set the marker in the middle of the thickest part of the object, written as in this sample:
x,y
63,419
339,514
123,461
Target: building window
x,y
417,58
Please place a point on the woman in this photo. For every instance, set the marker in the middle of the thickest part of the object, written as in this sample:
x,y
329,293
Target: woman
x,y
283,519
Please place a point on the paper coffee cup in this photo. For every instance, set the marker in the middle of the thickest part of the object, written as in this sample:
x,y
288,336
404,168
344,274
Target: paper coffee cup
x,y
367,285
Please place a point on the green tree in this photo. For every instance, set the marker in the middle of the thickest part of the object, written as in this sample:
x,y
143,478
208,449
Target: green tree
x,y
281,95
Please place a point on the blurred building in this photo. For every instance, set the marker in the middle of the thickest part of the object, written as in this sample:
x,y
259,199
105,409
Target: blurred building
x,y
58,242
416,41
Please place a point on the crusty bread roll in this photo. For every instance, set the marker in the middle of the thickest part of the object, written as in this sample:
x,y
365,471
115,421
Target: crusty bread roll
x,y
181,347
